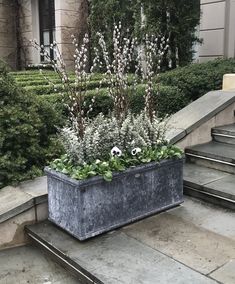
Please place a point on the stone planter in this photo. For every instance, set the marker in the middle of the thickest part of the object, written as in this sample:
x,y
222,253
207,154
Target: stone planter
x,y
90,207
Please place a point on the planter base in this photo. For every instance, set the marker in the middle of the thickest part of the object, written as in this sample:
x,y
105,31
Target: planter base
x,y
116,226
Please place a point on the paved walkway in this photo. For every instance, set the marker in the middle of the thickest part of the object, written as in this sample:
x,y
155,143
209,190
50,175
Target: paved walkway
x,y
193,243
28,265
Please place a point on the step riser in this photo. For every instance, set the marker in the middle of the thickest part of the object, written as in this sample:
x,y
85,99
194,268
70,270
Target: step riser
x,y
223,139
213,164
217,200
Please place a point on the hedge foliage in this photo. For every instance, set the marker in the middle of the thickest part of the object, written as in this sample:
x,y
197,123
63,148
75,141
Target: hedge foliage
x,y
177,88
27,133
168,101
196,80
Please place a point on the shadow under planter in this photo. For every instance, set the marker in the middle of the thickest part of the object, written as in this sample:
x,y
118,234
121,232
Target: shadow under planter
x,y
90,207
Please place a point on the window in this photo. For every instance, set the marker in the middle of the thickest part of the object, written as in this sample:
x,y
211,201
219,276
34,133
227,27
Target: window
x,y
47,25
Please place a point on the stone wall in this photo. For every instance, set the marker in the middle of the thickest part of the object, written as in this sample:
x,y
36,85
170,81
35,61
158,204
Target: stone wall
x,y
8,42
217,29
70,17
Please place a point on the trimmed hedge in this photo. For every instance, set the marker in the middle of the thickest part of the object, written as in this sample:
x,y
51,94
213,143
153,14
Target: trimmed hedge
x,y
28,139
169,101
48,89
196,80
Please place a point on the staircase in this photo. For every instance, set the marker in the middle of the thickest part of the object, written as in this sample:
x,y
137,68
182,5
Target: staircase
x,y
209,172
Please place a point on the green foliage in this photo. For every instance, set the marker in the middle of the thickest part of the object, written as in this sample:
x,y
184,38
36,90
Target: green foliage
x,y
196,80
177,18
106,168
168,99
105,13
27,133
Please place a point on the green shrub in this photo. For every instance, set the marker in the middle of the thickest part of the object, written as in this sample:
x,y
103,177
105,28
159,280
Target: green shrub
x,y
28,138
168,101
196,80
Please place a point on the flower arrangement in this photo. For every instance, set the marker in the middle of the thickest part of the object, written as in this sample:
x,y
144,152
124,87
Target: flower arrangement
x,y
113,143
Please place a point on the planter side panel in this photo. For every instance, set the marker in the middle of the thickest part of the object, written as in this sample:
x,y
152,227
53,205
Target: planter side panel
x,y
64,205
134,196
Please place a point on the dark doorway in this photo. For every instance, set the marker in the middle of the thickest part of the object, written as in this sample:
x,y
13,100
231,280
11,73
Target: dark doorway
x,y
47,25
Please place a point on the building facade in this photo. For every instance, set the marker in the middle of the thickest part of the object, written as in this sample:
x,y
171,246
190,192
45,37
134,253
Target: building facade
x,y
44,20
49,20
217,29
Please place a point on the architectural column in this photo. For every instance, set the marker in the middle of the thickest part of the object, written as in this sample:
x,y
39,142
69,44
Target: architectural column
x,y
29,30
8,42
70,18
230,29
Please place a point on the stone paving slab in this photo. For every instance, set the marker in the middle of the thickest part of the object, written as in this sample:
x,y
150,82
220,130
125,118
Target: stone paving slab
x,y
225,274
12,202
224,187
117,258
207,216
196,247
196,176
28,265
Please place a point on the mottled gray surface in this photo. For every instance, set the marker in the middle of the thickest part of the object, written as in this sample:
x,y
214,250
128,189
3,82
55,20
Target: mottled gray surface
x,y
36,188
88,208
12,202
191,243
226,129
117,258
207,216
215,150
28,265
226,273
210,180
225,187
197,176
200,111
15,200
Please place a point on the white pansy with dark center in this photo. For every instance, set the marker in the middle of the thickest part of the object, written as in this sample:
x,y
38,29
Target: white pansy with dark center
x,y
135,151
116,152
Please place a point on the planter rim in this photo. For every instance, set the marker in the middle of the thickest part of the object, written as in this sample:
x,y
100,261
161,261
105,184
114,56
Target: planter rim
x,y
93,180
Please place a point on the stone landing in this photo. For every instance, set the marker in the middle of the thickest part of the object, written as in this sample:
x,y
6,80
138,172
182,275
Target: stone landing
x,y
194,243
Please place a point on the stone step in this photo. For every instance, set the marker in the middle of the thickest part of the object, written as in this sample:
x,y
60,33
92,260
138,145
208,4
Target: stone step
x,y
211,185
224,134
215,155
117,257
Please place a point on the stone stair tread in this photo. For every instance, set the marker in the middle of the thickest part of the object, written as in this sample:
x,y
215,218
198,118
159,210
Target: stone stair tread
x,y
197,176
224,187
214,150
225,129
112,258
210,180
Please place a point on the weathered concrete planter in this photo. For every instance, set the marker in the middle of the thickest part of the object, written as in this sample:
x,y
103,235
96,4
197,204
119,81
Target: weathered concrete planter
x,y
93,206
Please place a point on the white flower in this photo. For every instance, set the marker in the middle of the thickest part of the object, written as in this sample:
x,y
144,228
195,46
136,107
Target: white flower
x,y
135,151
116,152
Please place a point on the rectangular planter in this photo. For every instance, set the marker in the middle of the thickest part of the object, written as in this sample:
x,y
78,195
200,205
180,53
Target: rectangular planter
x,y
90,207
